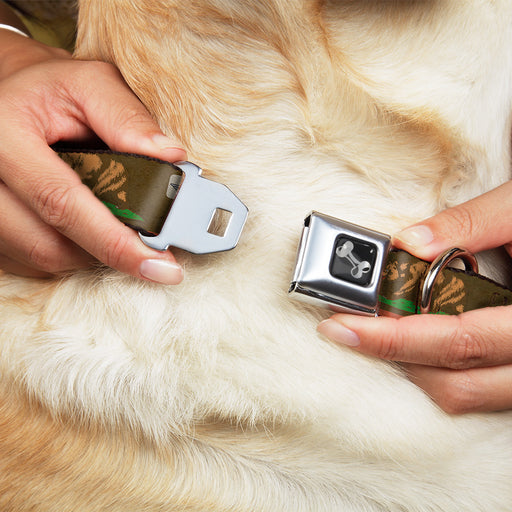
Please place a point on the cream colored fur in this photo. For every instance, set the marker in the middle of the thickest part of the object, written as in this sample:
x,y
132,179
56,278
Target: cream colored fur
x,y
217,394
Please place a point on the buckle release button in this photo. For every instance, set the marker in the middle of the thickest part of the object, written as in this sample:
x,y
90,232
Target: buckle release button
x,y
339,265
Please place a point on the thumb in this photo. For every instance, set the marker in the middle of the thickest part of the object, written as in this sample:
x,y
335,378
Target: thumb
x,y
119,118
479,224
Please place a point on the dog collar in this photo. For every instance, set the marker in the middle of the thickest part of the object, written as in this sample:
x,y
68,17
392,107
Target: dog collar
x,y
348,268
339,265
169,204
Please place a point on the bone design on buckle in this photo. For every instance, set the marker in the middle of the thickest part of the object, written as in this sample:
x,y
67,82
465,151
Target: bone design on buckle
x,y
353,260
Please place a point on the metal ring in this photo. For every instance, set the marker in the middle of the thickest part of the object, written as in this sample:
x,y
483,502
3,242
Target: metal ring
x,y
437,266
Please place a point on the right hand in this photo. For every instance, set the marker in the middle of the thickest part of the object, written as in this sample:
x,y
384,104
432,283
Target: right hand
x,y
463,362
51,222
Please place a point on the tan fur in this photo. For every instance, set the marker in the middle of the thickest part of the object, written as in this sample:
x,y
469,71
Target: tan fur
x,y
217,394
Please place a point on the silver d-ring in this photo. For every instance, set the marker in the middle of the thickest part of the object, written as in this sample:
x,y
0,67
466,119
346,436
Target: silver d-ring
x,y
437,266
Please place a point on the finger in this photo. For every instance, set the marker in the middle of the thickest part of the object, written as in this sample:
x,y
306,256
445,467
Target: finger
x,y
59,101
50,188
477,338
17,268
480,224
30,243
463,391
56,194
117,116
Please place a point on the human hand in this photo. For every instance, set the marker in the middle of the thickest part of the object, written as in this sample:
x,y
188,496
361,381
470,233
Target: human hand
x,y
463,362
51,222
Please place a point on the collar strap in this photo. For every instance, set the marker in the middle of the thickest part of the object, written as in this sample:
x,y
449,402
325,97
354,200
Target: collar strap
x,y
340,265
453,291
353,269
169,204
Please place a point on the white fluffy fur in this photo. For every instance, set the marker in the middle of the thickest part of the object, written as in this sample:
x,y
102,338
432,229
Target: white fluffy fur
x,y
381,113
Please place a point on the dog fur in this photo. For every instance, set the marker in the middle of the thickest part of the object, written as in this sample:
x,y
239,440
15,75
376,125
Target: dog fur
x,y
217,394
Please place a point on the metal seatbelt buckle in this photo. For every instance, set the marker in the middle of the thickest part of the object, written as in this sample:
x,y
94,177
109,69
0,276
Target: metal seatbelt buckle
x,y
189,222
339,265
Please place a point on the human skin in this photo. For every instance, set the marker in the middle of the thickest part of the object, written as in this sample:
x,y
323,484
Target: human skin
x,y
463,362
51,222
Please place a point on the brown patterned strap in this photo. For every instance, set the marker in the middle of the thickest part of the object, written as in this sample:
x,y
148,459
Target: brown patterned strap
x,y
138,190
455,291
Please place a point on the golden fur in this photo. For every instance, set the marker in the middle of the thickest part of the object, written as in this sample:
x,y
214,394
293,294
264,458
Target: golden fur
x,y
217,394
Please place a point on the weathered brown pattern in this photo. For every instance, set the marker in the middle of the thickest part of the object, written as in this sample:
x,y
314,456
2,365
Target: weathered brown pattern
x,y
111,179
454,291
102,175
129,183
451,293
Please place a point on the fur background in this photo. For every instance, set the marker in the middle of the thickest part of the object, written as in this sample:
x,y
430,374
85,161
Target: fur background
x,y
217,394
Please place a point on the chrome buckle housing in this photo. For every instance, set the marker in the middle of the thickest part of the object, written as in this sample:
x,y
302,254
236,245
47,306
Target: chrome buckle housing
x,y
339,265
191,214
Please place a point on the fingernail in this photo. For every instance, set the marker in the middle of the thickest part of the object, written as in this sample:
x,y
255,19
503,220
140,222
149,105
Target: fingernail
x,y
164,143
416,236
161,271
338,333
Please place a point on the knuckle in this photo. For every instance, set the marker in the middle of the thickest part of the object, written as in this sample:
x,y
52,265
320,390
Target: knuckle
x,y
465,348
389,346
115,249
135,116
54,205
460,220
386,349
460,394
42,257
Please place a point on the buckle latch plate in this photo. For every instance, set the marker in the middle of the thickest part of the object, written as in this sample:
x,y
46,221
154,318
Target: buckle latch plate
x,y
189,219
339,265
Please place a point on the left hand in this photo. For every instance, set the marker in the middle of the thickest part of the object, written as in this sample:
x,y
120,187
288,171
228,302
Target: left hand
x,y
463,362
51,222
